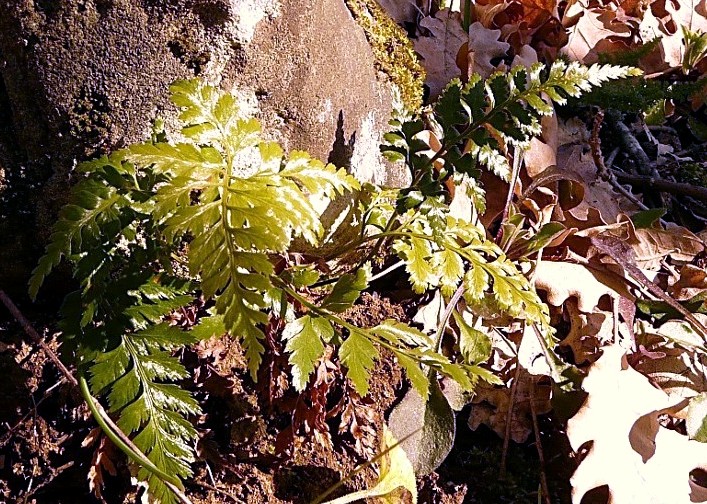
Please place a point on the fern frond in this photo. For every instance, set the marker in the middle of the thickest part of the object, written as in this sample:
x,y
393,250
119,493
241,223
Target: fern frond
x,y
462,253
305,342
250,201
475,122
94,208
134,372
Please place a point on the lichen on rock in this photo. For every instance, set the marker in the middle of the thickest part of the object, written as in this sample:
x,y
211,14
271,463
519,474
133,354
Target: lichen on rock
x,y
392,49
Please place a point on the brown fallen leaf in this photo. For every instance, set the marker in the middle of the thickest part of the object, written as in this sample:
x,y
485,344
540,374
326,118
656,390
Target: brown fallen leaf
x,y
692,281
665,19
593,33
441,50
588,332
628,450
562,280
599,195
652,245
491,406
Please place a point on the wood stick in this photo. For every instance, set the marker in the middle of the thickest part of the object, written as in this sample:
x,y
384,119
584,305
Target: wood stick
x,y
36,337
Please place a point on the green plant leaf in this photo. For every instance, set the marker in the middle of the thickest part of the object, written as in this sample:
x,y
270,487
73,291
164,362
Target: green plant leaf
x,y
347,290
305,342
395,473
428,427
358,354
475,346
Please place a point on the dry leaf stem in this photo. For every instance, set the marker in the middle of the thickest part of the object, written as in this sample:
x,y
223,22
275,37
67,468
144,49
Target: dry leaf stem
x,y
509,418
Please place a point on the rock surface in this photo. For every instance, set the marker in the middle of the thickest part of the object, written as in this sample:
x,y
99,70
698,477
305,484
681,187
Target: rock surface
x,y
83,77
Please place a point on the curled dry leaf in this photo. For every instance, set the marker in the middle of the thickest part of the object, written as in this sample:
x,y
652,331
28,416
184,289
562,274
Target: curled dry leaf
x,y
588,331
692,281
627,449
670,361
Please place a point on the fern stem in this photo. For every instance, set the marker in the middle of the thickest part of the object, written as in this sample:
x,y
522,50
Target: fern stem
x,y
339,321
448,313
132,452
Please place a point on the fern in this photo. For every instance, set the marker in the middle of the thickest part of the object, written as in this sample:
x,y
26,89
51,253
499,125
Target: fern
x,y
252,202
229,204
236,200
472,124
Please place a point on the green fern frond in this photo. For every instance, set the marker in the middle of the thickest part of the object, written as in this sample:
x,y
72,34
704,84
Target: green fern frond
x,y
134,373
94,206
475,122
462,253
305,343
240,199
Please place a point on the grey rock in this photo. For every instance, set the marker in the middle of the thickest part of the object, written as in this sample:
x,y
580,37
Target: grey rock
x,y
84,77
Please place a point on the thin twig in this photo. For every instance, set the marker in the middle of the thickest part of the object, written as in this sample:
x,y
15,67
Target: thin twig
x,y
36,337
629,142
615,314
539,446
602,171
217,490
8,434
676,188
509,418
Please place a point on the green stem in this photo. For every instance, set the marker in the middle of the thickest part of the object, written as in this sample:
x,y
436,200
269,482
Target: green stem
x,y
467,15
135,456
338,320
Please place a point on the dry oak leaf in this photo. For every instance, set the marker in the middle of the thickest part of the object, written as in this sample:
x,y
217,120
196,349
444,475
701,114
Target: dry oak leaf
x,y
449,43
629,451
562,280
599,195
652,245
439,50
595,30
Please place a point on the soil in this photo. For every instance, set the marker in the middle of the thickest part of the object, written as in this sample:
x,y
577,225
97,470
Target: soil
x,y
49,449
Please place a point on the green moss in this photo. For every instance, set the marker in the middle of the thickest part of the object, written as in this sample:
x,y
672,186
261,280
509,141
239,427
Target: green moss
x,y
392,49
692,173
639,94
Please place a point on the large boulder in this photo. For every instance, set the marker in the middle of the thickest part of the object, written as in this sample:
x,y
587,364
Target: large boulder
x,y
83,77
